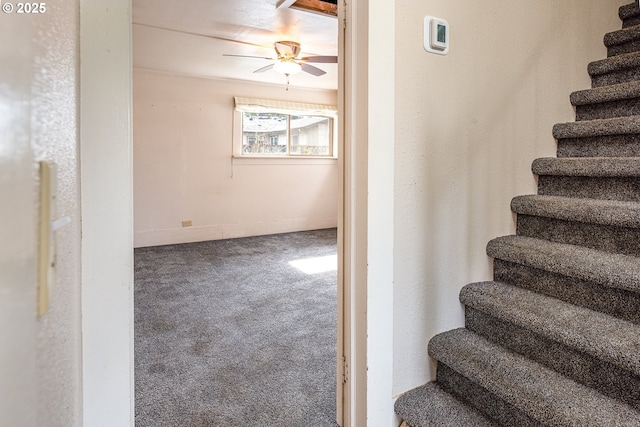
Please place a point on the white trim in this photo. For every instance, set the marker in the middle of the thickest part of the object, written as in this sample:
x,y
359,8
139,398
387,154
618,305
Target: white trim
x,y
355,215
343,401
171,236
343,359
368,212
107,212
283,160
380,213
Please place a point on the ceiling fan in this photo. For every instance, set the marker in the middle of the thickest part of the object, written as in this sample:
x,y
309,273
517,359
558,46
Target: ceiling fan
x,y
288,62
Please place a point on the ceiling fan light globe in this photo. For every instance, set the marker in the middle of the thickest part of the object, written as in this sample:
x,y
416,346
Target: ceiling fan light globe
x,y
287,67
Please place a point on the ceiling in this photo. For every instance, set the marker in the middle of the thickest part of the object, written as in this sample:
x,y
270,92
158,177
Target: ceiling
x,y
190,37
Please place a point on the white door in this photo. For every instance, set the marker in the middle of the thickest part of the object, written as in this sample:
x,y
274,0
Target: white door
x,y
17,228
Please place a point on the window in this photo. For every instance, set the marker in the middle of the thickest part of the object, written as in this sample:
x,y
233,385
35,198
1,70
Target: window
x,y
284,134
310,135
283,129
262,132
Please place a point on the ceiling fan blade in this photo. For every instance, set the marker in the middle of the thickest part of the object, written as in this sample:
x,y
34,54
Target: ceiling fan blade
x,y
312,70
226,39
321,59
263,69
248,56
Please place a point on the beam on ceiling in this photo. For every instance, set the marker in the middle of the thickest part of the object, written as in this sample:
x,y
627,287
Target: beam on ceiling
x,y
315,6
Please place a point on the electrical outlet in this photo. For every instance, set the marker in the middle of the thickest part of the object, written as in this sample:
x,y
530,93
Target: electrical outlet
x,y
187,223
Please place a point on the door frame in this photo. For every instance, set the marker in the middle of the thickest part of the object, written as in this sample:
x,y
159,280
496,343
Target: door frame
x,y
365,225
106,186
366,96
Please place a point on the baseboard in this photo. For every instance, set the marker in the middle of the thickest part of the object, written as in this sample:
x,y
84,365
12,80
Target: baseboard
x,y
228,231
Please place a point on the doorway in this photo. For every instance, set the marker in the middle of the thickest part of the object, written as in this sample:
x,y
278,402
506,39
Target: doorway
x,y
107,321
186,108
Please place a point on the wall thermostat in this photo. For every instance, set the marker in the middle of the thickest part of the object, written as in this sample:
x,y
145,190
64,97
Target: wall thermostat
x,y
436,35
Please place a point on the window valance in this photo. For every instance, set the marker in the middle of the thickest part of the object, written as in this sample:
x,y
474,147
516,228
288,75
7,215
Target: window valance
x,y
253,105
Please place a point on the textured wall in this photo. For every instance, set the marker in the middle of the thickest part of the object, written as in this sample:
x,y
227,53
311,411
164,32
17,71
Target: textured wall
x,y
183,166
468,126
55,138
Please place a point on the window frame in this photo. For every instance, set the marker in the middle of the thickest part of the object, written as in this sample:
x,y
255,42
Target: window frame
x,y
289,109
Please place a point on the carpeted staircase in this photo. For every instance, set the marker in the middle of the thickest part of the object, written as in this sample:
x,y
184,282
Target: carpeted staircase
x,y
554,340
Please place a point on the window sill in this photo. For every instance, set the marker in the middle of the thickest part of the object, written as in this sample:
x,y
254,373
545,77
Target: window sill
x,y
283,160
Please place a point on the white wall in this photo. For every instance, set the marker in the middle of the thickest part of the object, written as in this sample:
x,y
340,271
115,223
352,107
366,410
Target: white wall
x,y
41,357
183,166
468,126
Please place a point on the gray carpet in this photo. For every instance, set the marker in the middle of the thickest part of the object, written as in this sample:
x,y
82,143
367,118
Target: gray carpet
x,y
228,333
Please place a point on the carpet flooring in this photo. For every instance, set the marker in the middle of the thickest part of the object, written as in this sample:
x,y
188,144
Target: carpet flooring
x,y
230,333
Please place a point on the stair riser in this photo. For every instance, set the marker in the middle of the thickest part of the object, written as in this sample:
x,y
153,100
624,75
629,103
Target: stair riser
x,y
616,302
630,22
495,408
630,46
615,77
600,146
608,110
615,239
607,378
605,188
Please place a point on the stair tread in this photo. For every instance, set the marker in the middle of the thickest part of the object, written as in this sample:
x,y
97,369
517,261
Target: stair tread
x,y
608,269
431,406
588,166
617,92
542,393
622,36
598,127
614,63
597,334
593,211
628,11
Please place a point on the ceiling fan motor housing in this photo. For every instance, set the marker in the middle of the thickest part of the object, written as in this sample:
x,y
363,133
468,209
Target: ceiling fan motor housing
x,y
287,49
